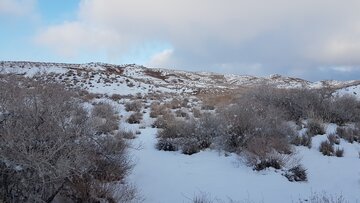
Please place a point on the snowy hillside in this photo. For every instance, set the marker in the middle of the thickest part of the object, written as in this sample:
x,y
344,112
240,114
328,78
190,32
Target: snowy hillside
x,y
131,79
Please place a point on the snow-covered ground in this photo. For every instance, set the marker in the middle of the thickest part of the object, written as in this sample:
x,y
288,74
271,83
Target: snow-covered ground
x,y
164,177
352,90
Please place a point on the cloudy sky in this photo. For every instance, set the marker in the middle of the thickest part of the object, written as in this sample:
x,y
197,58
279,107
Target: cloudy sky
x,y
314,40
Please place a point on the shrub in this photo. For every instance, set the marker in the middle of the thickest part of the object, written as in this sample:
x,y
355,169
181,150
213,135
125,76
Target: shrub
x,y
125,134
315,127
339,152
133,106
115,97
190,148
180,113
196,112
344,109
304,140
324,198
349,134
333,139
326,148
261,153
135,118
48,147
166,144
192,135
207,107
174,104
297,173
104,118
162,121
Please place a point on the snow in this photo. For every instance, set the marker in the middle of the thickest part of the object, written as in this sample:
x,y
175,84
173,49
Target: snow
x,y
352,90
174,177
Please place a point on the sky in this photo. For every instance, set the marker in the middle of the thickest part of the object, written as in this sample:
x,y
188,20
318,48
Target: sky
x,y
314,40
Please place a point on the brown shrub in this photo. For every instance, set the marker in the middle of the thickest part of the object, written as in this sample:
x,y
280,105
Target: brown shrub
x,y
326,148
333,139
349,134
133,106
48,147
135,118
104,118
315,127
339,152
116,97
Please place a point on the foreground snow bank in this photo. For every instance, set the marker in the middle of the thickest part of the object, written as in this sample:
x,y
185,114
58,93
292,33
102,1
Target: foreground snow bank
x,y
164,177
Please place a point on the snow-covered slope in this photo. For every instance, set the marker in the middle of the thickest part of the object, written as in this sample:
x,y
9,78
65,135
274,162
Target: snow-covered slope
x,y
132,79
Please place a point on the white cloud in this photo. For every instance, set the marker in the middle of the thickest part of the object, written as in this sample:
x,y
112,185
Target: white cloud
x,y
70,38
161,59
278,34
17,8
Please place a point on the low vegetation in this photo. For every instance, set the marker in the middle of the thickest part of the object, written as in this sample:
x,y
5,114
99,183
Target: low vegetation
x,y
51,148
257,127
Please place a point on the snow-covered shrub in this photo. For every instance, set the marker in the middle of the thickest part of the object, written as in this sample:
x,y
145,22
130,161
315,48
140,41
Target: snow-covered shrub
x,y
49,149
135,118
315,127
133,106
126,134
202,198
262,152
296,173
104,118
339,152
207,107
190,147
304,140
349,134
175,103
333,139
326,148
181,113
324,198
156,110
192,135
196,112
163,120
344,109
166,144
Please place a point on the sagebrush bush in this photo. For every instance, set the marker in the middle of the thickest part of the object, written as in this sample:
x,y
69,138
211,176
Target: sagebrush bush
x,y
135,118
116,97
296,173
157,109
126,134
333,139
133,106
196,112
339,152
326,148
304,140
349,134
49,146
344,109
162,121
191,135
181,113
315,127
104,118
166,144
324,198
